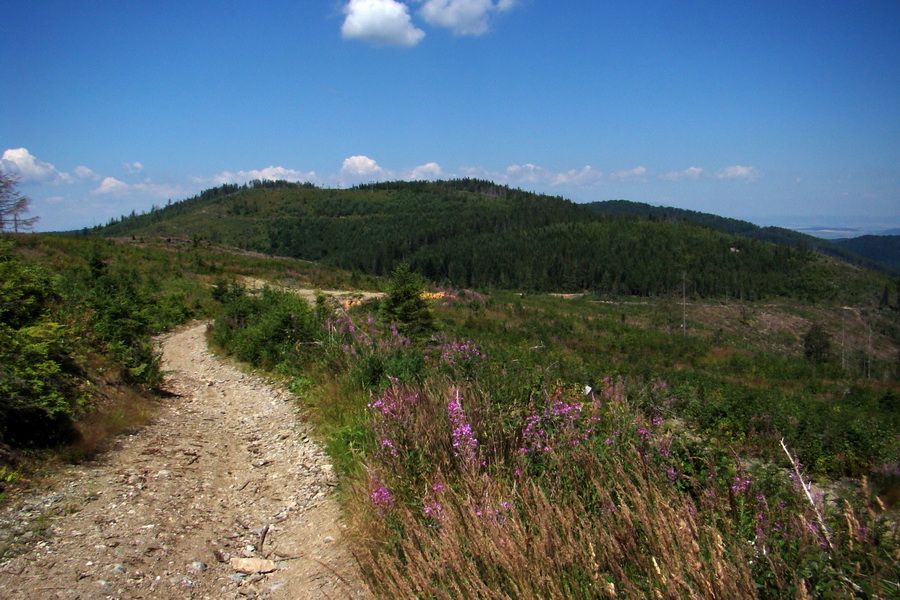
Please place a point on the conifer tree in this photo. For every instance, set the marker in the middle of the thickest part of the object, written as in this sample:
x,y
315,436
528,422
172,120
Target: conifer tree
x,y
817,344
405,307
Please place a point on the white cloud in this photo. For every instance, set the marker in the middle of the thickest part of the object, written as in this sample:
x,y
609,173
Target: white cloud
x,y
463,17
428,171
630,174
84,173
531,175
528,173
361,166
30,169
133,168
689,173
739,172
269,173
380,22
588,175
113,186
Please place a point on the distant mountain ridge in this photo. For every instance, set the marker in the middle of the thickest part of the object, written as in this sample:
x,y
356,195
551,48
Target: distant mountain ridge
x,y
872,258
475,233
883,249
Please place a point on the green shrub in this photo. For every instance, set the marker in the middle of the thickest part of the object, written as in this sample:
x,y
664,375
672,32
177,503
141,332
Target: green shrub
x,y
267,328
38,385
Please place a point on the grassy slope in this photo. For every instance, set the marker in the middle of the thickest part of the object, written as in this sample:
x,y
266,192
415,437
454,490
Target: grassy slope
x,y
476,464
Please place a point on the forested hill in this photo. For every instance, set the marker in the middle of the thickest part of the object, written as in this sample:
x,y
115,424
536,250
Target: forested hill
x,y
474,233
777,235
884,249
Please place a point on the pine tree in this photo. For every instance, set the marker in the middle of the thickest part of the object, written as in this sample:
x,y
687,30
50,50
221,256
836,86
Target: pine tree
x,y
405,307
817,344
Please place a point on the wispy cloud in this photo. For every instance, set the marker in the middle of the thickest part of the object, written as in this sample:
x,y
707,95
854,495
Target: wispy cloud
x,y
689,174
269,173
528,173
739,172
380,22
535,176
85,174
586,176
463,17
31,170
428,171
110,186
637,173
389,22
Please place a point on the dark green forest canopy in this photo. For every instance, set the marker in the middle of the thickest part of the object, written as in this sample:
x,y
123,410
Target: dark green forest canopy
x,y
883,248
475,233
880,256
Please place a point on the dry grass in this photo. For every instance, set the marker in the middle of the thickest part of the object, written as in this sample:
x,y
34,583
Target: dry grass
x,y
117,410
594,514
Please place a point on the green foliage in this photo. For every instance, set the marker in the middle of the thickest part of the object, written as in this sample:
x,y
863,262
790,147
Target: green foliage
x,y
24,290
273,328
38,383
817,344
77,315
884,249
405,306
877,252
472,233
485,465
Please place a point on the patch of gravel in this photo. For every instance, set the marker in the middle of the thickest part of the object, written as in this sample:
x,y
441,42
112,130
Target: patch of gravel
x,y
223,496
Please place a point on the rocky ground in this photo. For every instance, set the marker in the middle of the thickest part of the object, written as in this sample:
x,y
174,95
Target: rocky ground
x,y
223,496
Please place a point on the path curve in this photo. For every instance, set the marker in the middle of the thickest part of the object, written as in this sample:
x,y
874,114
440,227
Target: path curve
x,y
173,511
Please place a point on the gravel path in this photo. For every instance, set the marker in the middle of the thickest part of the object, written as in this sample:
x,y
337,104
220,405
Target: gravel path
x,y
222,496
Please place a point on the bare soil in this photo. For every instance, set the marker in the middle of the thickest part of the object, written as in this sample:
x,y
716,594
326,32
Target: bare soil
x,y
226,472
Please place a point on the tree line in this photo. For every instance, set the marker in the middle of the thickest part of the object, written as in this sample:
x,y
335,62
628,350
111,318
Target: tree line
x,y
474,233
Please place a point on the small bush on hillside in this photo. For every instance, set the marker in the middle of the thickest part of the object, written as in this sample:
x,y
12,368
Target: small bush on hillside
x,y
38,388
272,328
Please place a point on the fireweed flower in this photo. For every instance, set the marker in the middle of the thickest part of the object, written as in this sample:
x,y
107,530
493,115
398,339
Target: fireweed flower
x,y
395,403
464,442
740,484
388,446
381,496
434,510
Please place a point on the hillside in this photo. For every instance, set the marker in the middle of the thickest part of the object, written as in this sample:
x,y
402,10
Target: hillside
x,y
612,428
775,235
474,233
884,249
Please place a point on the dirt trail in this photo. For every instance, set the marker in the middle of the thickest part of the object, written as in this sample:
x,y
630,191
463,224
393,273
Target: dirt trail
x,y
226,472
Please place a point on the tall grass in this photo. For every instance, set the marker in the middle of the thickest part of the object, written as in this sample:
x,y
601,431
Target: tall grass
x,y
586,498
469,478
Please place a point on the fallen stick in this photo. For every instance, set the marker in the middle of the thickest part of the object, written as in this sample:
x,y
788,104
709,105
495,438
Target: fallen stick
x,y
262,538
812,502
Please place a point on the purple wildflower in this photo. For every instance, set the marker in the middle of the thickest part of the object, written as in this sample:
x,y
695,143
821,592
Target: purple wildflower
x,y
381,496
464,442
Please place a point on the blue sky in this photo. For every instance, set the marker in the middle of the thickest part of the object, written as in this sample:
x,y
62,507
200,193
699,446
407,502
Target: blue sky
x,y
779,112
